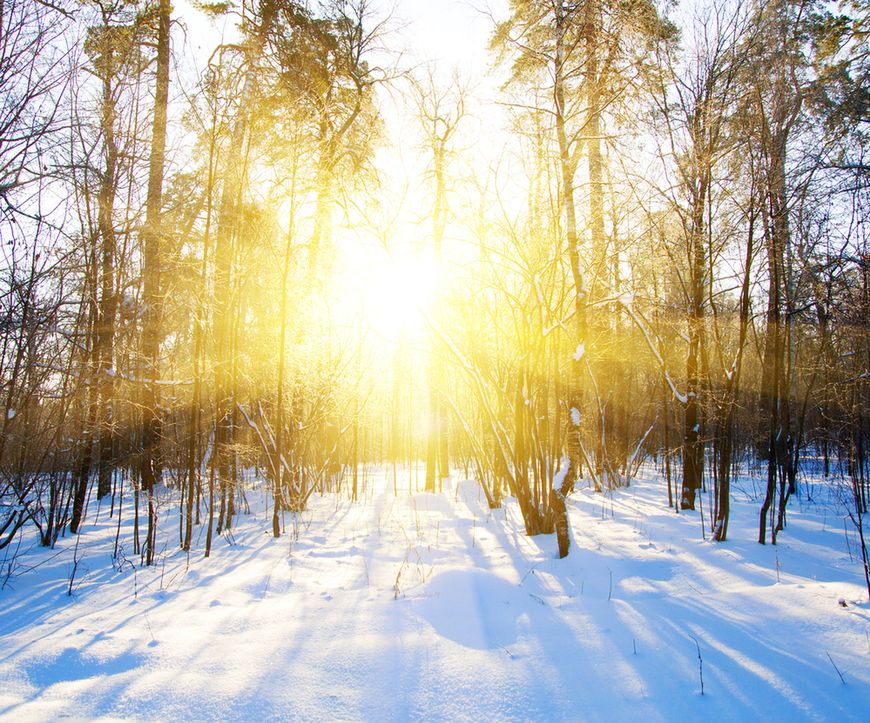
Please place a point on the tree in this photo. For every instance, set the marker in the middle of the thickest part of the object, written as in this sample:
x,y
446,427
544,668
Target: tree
x,y
776,107
152,299
440,111
586,56
695,102
113,48
33,78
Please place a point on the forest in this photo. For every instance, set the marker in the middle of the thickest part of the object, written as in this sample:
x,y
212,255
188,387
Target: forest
x,y
667,259
266,254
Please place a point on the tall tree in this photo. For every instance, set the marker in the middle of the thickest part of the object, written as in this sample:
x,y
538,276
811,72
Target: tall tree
x,y
113,49
584,55
779,87
152,298
440,112
229,224
695,106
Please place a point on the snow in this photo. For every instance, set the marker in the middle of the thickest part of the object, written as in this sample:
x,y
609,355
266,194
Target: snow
x,y
654,348
681,398
559,477
575,416
581,273
579,352
435,607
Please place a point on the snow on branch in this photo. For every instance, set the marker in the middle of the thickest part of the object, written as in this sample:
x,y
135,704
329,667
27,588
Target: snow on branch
x,y
141,380
559,477
629,309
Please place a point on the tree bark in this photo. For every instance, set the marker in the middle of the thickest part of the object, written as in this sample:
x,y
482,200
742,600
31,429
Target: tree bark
x,y
152,298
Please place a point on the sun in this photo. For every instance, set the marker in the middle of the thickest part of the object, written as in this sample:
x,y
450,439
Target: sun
x,y
400,294
392,293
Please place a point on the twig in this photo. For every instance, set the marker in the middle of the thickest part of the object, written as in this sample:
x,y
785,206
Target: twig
x,y
842,679
396,587
150,631
75,565
701,664
529,572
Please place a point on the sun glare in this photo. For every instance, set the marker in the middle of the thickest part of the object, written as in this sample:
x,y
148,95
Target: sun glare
x,y
395,293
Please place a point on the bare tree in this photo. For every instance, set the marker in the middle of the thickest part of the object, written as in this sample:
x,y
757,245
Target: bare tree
x,y
440,110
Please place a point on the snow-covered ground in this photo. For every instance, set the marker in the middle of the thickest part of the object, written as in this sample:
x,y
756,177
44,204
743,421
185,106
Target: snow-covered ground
x,y
434,607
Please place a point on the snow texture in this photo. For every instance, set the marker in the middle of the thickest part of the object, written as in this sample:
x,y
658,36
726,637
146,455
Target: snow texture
x,y
433,607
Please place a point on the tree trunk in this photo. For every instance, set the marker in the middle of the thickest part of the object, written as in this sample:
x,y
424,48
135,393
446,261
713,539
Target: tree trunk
x,y
227,233
693,445
774,393
105,329
732,388
567,170
152,298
